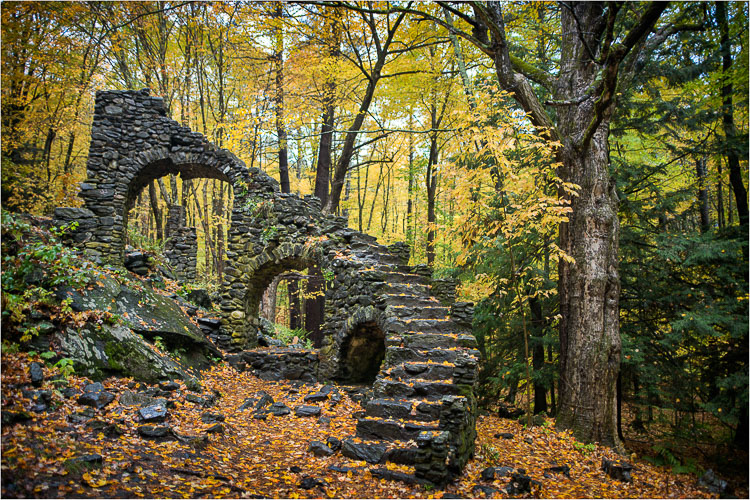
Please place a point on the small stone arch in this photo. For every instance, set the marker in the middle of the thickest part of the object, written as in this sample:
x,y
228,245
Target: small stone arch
x,y
361,347
258,273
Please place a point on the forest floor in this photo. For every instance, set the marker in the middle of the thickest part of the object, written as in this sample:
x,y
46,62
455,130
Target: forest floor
x,y
253,458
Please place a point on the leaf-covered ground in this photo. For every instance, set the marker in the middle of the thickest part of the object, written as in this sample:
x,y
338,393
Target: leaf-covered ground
x,y
255,458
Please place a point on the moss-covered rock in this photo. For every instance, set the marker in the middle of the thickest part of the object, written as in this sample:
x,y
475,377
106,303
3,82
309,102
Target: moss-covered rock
x,y
148,314
104,350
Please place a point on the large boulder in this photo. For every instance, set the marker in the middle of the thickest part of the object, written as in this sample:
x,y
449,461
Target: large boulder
x,y
104,350
146,313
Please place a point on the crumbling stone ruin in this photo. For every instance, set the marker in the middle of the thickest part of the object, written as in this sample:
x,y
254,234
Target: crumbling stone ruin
x,y
386,323
181,246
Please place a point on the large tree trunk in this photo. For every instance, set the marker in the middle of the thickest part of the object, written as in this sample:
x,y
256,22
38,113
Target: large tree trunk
x,y
589,290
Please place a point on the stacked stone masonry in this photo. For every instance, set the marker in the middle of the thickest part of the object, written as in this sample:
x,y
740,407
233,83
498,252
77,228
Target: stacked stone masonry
x,y
423,410
181,246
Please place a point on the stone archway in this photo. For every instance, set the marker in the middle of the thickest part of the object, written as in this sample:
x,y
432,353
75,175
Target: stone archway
x,y
362,354
249,277
133,143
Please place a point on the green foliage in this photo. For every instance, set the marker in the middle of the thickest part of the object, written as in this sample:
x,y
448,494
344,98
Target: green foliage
x,y
34,263
684,329
328,275
287,336
159,344
39,260
47,355
9,347
269,233
585,449
65,365
666,456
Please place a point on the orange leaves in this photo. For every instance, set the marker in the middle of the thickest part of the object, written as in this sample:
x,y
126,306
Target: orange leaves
x,y
254,457
93,480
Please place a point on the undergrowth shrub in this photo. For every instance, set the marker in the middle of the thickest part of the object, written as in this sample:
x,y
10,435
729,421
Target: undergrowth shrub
x,y
35,262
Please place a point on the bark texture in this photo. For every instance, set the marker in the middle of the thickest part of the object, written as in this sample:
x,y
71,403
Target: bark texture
x,y
590,345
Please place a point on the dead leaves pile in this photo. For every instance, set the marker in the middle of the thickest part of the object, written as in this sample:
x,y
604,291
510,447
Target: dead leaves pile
x,y
255,458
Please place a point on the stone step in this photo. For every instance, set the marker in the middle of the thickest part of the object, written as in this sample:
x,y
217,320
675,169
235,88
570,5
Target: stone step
x,y
399,268
408,288
411,300
392,430
410,313
433,340
389,259
423,411
392,276
430,390
424,371
417,325
397,354
380,252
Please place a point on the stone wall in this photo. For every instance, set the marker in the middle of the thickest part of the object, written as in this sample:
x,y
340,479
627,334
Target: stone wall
x,y
278,363
181,246
445,290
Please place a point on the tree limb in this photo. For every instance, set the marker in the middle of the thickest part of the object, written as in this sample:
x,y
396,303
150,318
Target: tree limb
x,y
533,73
608,85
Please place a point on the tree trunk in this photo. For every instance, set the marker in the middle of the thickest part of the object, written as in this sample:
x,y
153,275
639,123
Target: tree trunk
x,y
323,170
512,390
218,216
431,184
730,132
375,196
700,169
410,194
315,304
280,126
720,196
295,312
537,359
206,228
589,290
553,408
268,300
347,151
155,209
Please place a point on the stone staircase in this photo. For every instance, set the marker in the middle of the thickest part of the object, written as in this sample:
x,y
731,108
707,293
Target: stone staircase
x,y
422,411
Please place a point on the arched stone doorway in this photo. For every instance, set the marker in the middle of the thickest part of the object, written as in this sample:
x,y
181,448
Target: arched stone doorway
x,y
134,143
259,272
172,216
362,354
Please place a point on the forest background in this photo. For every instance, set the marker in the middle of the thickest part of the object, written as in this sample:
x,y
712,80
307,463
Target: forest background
x,y
403,126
